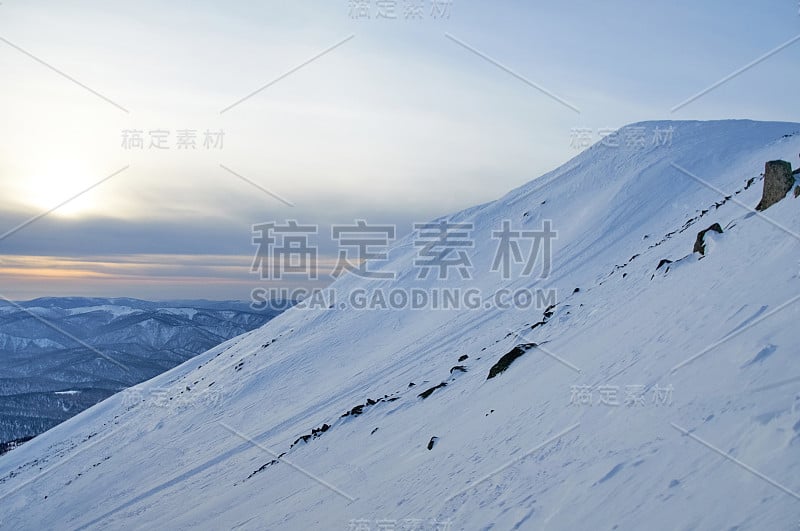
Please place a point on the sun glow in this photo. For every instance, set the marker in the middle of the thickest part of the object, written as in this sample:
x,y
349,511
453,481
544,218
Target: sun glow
x,y
63,186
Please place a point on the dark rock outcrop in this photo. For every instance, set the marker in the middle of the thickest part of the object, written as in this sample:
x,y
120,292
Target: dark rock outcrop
x,y
778,180
356,411
509,358
663,262
699,243
425,394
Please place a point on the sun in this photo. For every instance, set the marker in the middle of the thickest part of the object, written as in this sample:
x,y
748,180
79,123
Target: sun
x,y
63,186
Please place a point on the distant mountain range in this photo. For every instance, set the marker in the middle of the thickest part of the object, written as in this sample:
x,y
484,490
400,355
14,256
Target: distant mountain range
x,y
59,356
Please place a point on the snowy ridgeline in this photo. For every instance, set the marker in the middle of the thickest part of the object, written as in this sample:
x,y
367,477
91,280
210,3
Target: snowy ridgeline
x,y
647,397
48,377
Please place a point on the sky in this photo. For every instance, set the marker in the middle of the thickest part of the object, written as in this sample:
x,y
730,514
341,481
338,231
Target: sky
x,y
327,112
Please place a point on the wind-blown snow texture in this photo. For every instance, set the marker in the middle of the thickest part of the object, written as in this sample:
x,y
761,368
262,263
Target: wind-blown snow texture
x,y
616,467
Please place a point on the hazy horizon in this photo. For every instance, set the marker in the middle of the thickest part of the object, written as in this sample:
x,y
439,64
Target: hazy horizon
x,y
317,113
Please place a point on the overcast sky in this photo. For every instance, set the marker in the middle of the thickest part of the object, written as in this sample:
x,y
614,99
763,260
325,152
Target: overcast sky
x,y
396,120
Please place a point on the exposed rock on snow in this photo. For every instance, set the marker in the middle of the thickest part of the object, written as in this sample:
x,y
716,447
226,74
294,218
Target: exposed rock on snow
x,y
425,394
509,358
699,243
778,180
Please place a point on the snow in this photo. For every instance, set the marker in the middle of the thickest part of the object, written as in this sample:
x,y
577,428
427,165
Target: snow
x,y
516,451
121,311
115,311
189,313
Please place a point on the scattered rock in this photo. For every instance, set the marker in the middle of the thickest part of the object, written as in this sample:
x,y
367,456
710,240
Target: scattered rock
x,y
576,290
425,394
699,243
459,368
797,188
373,431
509,358
432,442
303,438
663,262
316,432
262,468
356,411
462,358
778,180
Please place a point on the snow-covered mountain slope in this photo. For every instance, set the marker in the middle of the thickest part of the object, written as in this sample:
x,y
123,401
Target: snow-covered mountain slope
x,y
710,443
50,369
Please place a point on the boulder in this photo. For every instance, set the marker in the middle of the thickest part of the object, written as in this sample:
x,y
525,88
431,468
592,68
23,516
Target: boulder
x,y
425,394
778,180
699,243
505,362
